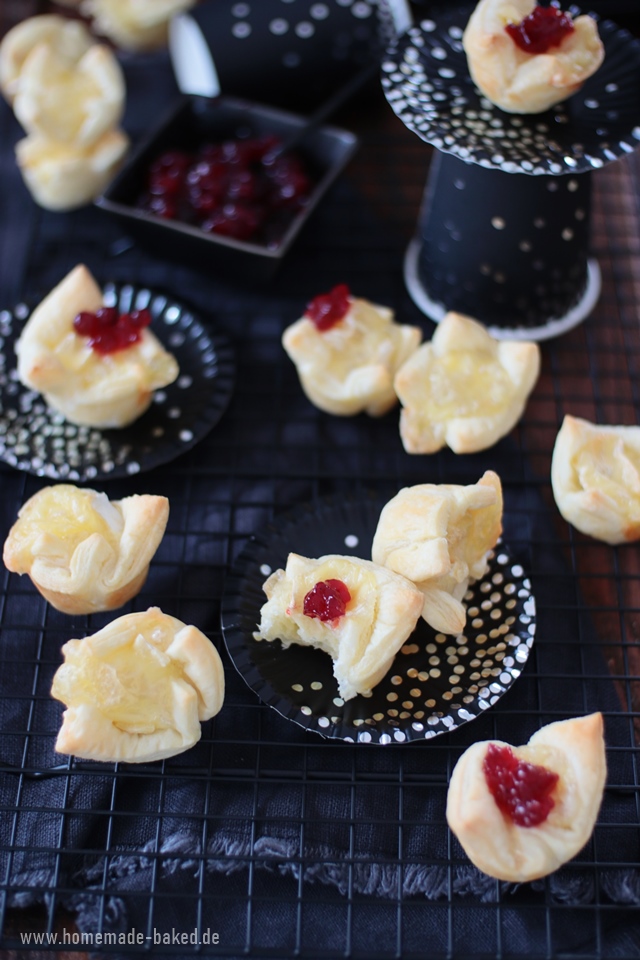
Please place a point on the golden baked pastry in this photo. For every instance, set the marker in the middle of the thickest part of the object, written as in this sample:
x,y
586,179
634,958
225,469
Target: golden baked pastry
x,y
439,536
514,65
82,551
70,37
138,689
98,389
347,358
520,813
61,176
595,476
66,100
356,611
134,24
464,389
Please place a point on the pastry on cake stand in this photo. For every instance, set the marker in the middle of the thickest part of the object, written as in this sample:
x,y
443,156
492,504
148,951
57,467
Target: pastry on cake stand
x,y
503,231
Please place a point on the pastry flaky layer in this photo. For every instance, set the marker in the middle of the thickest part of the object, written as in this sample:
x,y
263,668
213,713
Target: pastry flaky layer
x,y
138,689
575,751
381,614
439,536
595,476
98,390
464,389
521,82
70,38
349,368
83,552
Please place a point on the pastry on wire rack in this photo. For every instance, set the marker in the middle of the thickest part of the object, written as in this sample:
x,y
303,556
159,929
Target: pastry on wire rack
x,y
439,536
595,476
347,351
82,551
521,812
357,611
92,364
525,58
464,389
137,690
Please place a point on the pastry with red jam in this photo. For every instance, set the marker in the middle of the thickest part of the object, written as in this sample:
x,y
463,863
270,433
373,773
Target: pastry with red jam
x,y
347,351
521,812
95,365
355,610
525,58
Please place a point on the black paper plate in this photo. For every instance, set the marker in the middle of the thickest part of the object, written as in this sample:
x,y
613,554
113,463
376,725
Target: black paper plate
x,y
436,683
38,440
427,83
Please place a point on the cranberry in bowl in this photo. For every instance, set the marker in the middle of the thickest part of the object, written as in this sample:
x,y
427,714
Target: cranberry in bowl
x,y
214,184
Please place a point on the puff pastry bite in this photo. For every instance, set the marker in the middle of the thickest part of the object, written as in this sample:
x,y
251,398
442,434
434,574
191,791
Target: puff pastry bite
x,y
526,58
82,551
138,689
100,389
70,37
67,100
464,389
61,176
439,536
134,24
347,351
356,611
520,813
595,476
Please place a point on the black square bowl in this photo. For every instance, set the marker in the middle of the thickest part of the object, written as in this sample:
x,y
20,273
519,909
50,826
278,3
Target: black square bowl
x,y
192,123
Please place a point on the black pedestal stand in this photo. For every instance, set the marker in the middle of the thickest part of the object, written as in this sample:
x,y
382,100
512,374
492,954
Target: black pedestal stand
x,y
503,232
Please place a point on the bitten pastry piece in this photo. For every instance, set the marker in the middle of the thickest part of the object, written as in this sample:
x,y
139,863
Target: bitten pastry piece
x,y
134,24
526,58
347,351
70,37
138,689
67,100
464,389
521,812
595,475
356,611
83,552
439,536
104,378
61,176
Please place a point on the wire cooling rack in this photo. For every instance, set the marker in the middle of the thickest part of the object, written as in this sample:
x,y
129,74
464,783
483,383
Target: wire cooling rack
x,y
265,838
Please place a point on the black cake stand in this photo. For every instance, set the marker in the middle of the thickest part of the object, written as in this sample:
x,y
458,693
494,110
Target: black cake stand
x,y
503,232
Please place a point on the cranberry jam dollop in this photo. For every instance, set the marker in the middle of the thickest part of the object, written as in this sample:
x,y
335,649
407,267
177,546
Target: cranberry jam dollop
x,y
330,308
543,28
109,331
242,189
521,790
327,600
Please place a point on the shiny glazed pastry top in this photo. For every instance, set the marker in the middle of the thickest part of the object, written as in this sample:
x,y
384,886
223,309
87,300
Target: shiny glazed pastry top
x,y
521,812
595,476
439,536
83,552
464,389
526,58
138,689
347,351
85,383
356,611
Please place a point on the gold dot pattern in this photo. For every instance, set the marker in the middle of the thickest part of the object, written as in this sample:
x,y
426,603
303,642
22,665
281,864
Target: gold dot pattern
x,y
437,681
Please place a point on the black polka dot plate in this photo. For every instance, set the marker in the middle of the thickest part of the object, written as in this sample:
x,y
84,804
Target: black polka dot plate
x,y
427,83
35,438
436,683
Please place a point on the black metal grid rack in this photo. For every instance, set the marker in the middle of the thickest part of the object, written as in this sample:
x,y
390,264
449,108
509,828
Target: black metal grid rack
x,y
239,835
